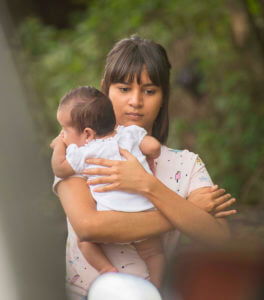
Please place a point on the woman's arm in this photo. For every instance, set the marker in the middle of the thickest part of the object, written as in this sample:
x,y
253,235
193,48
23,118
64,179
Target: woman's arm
x,y
188,218
185,216
105,226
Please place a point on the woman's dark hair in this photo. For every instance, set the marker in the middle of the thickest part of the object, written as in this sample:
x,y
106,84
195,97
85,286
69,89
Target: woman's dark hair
x,y
127,59
90,108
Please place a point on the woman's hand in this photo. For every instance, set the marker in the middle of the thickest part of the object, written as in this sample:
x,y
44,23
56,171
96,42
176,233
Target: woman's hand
x,y
213,200
128,175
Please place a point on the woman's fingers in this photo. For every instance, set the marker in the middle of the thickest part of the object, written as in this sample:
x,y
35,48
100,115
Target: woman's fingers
x,y
213,200
106,188
227,213
101,180
98,171
218,193
225,205
101,161
117,173
126,154
222,199
213,188
109,162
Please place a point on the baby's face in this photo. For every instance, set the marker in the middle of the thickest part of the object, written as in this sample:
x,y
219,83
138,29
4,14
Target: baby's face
x,y
69,134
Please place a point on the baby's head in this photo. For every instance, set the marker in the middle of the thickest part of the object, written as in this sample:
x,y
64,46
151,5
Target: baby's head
x,y
85,113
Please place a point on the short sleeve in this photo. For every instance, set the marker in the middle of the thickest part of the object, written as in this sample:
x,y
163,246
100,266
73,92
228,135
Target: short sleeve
x,y
76,158
199,176
136,131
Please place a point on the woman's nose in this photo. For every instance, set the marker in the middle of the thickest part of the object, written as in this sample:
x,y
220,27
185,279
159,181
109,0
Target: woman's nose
x,y
136,99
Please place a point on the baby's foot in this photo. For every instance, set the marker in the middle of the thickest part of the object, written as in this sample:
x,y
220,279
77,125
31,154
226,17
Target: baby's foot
x,y
108,269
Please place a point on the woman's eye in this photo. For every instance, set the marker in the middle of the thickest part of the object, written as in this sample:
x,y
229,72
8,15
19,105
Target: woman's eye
x,y
150,91
124,89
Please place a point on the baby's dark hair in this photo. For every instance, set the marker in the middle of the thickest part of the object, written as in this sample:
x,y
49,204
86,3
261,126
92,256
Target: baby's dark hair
x,y
90,108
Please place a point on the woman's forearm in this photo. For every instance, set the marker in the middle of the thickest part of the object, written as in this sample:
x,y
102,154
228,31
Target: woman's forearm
x,y
185,216
112,226
105,226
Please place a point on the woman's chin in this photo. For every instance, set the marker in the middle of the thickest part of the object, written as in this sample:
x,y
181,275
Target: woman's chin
x,y
132,122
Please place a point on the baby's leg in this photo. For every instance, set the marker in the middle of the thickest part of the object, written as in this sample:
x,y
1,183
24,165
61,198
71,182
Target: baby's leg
x,y
95,256
151,251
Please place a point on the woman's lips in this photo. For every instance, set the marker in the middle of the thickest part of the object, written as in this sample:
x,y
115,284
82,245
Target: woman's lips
x,y
134,116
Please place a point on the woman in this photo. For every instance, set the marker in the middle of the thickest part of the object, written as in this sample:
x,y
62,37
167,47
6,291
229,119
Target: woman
x,y
137,81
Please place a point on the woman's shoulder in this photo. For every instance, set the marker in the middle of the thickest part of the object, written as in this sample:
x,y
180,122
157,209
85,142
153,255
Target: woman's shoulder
x,y
170,153
181,170
181,159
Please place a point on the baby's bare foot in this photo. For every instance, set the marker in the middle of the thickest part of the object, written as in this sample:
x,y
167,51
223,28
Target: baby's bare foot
x,y
108,269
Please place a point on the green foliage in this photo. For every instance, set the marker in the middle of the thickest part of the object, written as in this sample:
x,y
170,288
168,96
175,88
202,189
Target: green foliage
x,y
228,137
254,7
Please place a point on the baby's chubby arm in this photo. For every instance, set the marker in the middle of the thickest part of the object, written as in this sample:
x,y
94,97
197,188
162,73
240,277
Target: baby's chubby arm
x,y
61,168
150,147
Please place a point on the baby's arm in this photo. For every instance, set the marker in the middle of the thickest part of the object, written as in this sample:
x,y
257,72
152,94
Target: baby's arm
x,y
150,147
60,166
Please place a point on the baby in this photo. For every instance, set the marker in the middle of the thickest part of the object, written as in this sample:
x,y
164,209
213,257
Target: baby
x,y
89,131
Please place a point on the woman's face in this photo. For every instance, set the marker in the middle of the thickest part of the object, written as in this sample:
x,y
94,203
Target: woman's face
x,y
136,104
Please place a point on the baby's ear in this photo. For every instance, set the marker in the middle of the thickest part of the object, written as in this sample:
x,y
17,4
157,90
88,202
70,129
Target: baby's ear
x,y
90,134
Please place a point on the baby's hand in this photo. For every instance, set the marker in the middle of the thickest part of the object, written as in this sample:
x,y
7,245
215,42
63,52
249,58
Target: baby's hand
x,y
57,140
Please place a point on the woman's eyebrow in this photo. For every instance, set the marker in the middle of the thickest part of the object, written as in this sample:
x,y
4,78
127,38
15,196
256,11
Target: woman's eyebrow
x,y
149,84
144,85
123,82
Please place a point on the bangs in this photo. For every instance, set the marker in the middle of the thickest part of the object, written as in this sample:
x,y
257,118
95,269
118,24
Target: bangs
x,y
130,64
126,61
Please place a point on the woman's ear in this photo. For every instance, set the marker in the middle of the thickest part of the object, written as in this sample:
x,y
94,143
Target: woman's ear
x,y
90,134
